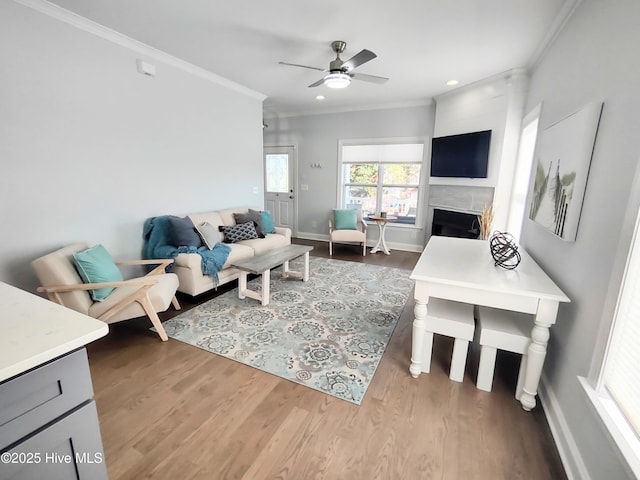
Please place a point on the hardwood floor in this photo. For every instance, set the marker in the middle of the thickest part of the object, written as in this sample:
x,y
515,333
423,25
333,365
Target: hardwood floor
x,y
172,411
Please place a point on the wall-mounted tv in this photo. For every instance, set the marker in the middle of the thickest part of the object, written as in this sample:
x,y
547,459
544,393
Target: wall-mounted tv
x,y
465,155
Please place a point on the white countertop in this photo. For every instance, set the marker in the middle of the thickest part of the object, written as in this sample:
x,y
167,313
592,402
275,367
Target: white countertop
x,y
34,330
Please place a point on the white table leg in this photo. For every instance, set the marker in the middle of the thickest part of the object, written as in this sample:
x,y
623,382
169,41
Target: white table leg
x,y
545,317
381,245
417,340
304,274
242,284
385,249
266,282
378,246
244,291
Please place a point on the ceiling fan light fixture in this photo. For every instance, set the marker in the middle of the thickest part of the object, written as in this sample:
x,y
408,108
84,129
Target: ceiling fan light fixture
x,y
337,80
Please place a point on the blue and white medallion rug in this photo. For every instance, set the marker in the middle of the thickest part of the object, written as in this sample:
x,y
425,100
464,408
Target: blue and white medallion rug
x,y
328,333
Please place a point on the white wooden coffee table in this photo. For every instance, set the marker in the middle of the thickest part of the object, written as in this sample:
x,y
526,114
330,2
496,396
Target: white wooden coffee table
x,y
262,265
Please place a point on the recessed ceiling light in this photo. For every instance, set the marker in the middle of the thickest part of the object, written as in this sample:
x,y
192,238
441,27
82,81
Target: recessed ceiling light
x,y
452,83
319,97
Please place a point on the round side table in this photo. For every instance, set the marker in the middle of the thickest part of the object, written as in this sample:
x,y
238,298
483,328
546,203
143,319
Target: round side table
x,y
382,222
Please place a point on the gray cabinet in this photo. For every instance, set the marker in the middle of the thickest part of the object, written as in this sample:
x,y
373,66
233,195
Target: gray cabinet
x,y
49,425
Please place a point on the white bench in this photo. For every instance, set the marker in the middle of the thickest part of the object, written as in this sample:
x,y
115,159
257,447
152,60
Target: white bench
x,y
452,319
504,330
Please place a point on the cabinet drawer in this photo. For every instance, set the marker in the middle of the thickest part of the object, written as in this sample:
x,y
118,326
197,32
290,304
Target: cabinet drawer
x,y
68,449
32,400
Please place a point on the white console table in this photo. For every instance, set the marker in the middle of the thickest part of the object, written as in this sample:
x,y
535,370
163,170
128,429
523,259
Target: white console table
x,y
463,270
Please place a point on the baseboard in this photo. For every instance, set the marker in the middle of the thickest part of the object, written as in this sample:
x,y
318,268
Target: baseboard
x,y
403,247
565,443
320,237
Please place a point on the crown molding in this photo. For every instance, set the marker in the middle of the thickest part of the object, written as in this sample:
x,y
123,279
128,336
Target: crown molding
x,y
566,12
117,38
350,108
507,77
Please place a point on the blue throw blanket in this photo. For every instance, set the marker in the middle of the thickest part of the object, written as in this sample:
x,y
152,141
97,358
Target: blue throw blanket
x,y
157,245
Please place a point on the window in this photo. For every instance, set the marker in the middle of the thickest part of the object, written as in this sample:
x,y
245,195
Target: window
x,y
616,396
382,177
522,174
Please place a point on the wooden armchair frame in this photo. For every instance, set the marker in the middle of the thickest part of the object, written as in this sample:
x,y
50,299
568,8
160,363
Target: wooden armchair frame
x,y
139,295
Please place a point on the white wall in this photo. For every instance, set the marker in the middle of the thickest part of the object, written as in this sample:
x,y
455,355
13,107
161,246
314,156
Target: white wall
x,y
317,136
90,148
594,59
494,104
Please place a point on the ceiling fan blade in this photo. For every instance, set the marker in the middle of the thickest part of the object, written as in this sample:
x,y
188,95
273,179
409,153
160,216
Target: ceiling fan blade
x,y
302,66
358,59
368,78
317,84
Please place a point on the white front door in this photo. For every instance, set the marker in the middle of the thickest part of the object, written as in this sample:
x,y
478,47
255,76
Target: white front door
x,y
279,168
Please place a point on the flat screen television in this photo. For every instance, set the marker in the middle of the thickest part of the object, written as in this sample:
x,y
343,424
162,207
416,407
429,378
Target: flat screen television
x,y
465,155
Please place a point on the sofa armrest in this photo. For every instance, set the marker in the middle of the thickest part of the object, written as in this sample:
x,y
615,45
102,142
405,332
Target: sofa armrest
x,y
284,231
189,260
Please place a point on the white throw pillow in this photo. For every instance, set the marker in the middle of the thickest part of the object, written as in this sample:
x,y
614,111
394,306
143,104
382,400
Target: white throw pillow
x,y
210,234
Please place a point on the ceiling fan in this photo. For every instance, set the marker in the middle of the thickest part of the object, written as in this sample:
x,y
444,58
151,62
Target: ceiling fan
x,y
339,73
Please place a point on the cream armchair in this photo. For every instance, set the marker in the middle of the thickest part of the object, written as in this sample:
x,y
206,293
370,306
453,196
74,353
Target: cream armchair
x,y
131,298
355,233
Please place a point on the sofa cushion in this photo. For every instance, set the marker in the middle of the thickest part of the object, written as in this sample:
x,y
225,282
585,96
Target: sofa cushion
x,y
238,252
227,215
57,268
237,233
159,295
95,265
183,232
270,242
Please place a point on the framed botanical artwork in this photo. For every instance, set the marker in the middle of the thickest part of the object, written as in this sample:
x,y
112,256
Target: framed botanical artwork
x,y
563,157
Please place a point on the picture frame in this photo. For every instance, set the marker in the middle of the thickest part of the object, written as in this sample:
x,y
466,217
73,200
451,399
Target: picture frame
x,y
563,159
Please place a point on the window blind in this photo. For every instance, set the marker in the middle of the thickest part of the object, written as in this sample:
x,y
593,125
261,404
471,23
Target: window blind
x,y
387,153
621,377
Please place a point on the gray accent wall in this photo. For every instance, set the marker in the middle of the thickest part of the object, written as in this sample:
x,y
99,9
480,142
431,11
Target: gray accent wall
x,y
316,138
90,148
594,58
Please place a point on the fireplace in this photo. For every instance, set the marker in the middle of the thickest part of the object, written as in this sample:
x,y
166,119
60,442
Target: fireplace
x,y
448,223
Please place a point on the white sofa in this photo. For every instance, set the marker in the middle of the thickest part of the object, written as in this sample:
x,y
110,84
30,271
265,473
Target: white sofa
x,y
188,266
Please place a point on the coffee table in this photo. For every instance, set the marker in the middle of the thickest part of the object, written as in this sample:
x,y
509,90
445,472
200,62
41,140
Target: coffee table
x,y
262,265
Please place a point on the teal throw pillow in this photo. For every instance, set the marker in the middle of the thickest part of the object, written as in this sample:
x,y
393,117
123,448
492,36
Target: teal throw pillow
x,y
267,222
96,265
345,219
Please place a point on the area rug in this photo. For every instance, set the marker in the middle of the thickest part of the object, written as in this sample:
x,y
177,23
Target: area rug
x,y
328,333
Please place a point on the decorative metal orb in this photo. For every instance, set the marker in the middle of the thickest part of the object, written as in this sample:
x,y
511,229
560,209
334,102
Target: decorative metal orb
x,y
504,250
